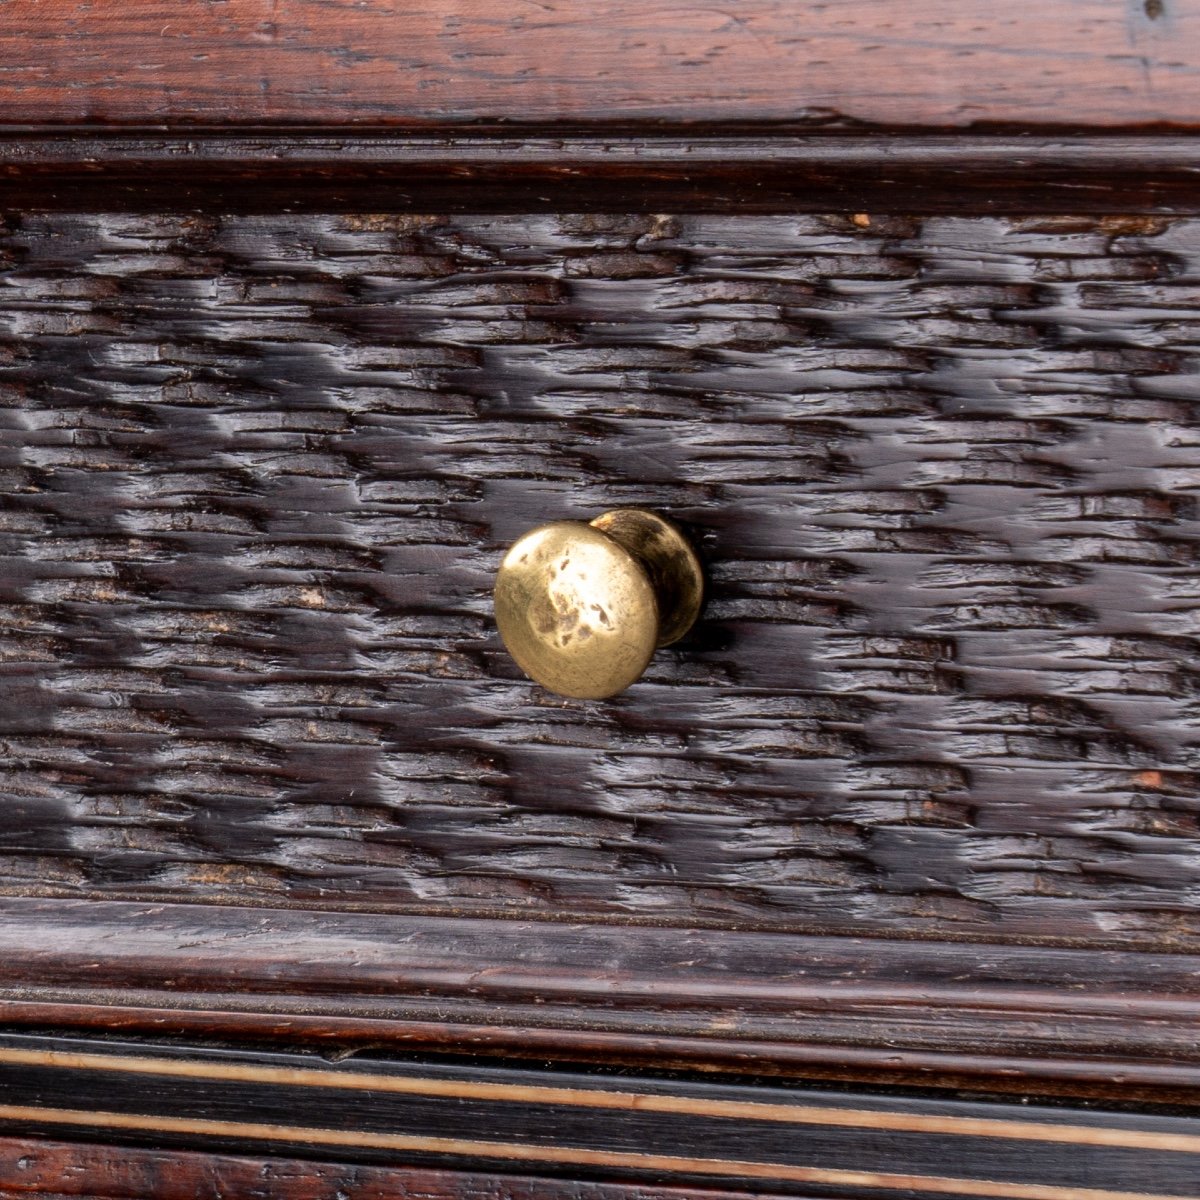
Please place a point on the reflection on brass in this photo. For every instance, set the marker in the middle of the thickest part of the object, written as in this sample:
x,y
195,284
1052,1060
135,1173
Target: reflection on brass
x,y
582,607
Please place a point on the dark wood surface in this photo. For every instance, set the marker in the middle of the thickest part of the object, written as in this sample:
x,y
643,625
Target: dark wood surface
x,y
308,308
49,1169
258,472
1073,1020
885,62
555,170
590,1126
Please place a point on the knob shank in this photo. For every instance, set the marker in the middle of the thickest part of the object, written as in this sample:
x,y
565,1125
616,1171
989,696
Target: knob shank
x,y
582,607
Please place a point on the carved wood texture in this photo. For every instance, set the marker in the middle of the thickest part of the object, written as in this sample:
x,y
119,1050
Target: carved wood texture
x,y
256,473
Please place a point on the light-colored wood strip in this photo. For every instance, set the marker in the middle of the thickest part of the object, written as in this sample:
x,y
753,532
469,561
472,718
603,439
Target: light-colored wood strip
x,y
795,1114
568,1155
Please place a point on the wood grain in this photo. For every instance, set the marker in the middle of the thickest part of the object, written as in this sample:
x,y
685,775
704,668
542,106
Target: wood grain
x,y
50,1169
308,307
258,472
1068,1019
881,62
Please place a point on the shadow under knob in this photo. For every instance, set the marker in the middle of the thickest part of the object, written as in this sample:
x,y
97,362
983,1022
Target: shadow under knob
x,y
582,607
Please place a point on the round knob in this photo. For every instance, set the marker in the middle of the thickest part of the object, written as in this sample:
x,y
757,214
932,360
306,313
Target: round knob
x,y
581,607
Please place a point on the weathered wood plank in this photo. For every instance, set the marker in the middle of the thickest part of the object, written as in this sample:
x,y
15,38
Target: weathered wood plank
x,y
49,1169
320,62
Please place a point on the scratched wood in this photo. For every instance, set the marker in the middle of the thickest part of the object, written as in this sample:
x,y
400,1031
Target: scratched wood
x,y
257,473
1099,63
49,1169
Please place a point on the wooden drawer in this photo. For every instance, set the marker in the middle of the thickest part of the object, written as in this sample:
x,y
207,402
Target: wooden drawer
x,y
881,882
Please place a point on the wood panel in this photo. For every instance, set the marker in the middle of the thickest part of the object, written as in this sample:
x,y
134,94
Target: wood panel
x,y
259,470
886,62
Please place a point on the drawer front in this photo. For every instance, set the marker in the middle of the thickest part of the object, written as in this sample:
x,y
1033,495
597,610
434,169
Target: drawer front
x,y
881,882
258,472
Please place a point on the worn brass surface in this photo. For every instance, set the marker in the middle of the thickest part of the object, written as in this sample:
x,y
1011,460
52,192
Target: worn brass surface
x,y
667,557
582,607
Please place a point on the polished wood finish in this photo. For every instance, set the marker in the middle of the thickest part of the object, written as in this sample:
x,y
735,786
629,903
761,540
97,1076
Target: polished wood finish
x,y
875,62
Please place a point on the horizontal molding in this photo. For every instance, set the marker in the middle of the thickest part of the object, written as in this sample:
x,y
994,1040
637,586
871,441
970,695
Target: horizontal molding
x,y
592,170
468,1116
732,1000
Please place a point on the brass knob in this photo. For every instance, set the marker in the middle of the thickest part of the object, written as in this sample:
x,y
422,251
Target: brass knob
x,y
582,607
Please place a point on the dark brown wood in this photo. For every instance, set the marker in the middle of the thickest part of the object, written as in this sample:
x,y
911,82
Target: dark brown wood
x,y
591,1126
883,62
259,471
552,170
308,308
746,1002
49,1169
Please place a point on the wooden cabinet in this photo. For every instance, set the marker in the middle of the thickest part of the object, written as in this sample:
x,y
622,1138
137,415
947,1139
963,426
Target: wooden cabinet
x,y
883,882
